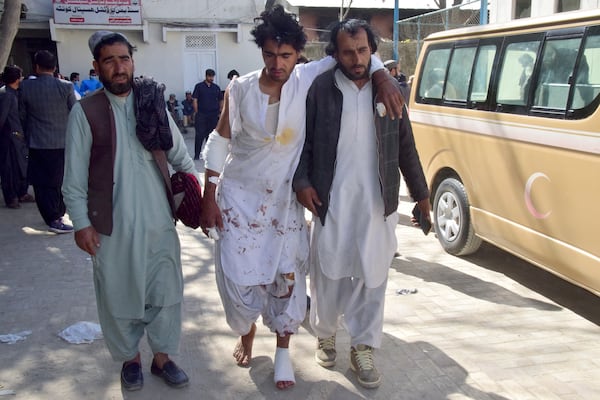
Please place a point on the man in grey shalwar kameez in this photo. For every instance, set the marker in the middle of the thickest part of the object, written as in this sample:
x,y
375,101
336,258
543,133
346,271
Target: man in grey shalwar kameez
x,y
137,263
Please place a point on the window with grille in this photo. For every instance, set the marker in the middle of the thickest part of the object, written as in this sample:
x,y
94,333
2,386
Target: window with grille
x,y
522,9
567,5
202,41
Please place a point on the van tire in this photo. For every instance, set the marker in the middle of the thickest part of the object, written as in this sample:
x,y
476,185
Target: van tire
x,y
453,220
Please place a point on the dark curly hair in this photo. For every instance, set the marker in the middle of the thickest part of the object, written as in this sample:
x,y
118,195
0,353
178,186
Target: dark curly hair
x,y
11,74
352,27
278,25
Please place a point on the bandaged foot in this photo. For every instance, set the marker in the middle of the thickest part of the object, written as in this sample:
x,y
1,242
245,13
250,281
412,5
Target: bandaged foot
x,y
243,350
284,372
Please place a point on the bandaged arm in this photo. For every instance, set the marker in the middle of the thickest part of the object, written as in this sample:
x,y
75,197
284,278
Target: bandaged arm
x,y
217,146
215,152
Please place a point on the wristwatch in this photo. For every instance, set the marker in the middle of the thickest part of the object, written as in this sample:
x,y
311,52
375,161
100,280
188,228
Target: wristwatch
x,y
213,179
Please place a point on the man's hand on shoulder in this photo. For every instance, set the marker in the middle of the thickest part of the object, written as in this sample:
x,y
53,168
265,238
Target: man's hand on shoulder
x,y
389,94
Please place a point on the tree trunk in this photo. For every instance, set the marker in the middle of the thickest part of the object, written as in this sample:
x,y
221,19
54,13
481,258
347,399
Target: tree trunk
x,y
9,26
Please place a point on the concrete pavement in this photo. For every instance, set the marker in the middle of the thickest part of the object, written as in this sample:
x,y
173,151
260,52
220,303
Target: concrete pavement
x,y
489,327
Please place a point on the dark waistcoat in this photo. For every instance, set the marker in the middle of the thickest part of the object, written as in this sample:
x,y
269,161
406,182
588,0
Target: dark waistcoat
x,y
99,114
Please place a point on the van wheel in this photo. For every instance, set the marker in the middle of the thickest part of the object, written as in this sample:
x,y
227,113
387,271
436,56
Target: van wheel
x,y
453,220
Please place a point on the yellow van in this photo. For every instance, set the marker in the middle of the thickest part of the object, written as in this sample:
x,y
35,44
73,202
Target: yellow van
x,y
507,126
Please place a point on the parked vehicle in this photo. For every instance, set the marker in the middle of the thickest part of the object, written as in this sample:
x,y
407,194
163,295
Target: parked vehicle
x,y
507,125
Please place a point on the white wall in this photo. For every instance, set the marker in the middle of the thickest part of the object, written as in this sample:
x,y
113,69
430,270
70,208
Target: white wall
x,y
503,10
590,4
162,56
203,10
161,60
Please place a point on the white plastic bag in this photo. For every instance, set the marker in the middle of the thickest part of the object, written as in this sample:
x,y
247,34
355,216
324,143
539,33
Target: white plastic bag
x,y
13,338
81,332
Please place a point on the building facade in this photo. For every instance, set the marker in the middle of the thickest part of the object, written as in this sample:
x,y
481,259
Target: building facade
x,y
176,40
507,10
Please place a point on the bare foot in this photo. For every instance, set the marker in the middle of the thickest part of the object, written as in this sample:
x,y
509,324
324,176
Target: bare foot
x,y
243,349
281,385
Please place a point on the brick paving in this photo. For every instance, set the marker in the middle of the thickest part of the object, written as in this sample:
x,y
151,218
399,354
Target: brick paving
x,y
487,327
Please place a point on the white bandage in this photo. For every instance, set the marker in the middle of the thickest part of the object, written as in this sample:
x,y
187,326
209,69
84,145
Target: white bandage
x,y
213,233
215,151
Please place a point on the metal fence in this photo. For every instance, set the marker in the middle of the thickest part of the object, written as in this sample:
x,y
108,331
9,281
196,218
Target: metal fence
x,y
416,29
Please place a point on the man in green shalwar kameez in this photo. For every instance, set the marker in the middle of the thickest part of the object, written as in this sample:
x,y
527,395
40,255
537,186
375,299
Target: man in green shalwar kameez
x,y
137,266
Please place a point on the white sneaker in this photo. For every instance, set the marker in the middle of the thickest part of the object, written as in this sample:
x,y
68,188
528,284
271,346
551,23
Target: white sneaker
x,y
361,362
326,354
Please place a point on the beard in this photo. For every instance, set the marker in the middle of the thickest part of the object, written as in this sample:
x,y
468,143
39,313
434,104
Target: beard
x,y
114,87
352,75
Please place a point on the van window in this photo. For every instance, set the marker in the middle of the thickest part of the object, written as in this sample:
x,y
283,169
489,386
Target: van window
x,y
587,81
482,73
556,72
515,75
432,84
459,73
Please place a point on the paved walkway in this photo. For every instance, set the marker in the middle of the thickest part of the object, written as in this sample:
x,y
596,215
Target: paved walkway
x,y
490,327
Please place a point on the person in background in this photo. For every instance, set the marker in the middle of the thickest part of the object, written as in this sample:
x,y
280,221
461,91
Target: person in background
x,y
526,62
188,111
44,106
91,84
349,178
262,247
74,78
410,81
13,149
208,101
118,204
394,68
174,109
232,74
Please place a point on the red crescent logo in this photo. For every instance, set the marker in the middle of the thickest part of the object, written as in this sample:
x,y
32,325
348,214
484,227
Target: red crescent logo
x,y
528,201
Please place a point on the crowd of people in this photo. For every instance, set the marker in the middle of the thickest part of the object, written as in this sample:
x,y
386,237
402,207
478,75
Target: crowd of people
x,y
33,123
290,136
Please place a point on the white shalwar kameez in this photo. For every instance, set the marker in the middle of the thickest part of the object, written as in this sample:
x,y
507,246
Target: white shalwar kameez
x,y
265,234
351,254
